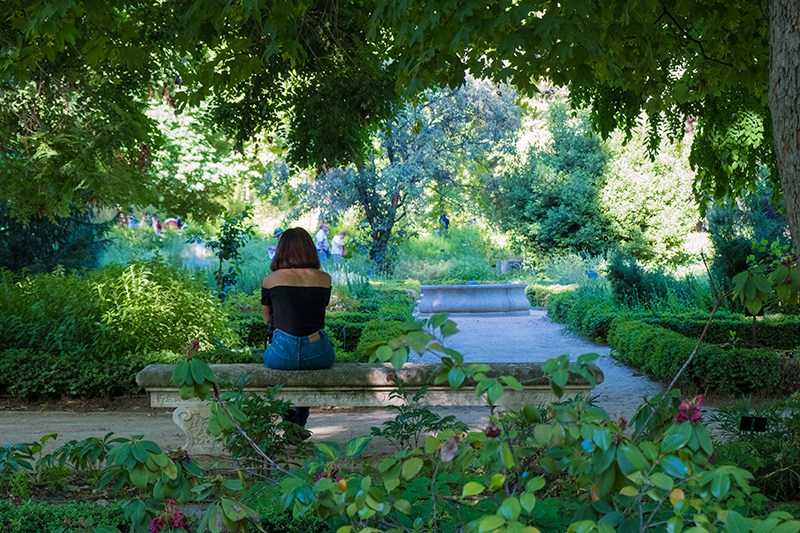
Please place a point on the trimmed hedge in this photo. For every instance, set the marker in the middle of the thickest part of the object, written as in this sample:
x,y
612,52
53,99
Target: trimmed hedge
x,y
539,295
585,316
29,374
779,332
377,331
661,353
346,327
558,305
592,316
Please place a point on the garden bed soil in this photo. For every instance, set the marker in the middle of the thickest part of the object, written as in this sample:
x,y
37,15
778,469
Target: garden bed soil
x,y
139,402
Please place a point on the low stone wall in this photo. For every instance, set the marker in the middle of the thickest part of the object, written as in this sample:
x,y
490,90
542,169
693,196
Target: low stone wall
x,y
346,385
502,299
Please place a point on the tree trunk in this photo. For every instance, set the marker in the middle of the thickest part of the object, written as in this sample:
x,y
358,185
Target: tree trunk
x,y
784,104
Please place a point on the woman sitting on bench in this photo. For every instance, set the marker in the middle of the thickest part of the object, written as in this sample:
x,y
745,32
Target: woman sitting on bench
x,y
293,300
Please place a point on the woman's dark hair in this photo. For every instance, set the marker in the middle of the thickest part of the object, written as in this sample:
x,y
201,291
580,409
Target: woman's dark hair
x,y
295,250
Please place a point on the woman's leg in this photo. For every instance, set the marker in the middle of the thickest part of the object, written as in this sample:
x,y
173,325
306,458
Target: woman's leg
x,y
314,355
283,353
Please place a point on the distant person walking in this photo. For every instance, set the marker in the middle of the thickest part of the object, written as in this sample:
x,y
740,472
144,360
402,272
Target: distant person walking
x,y
444,222
321,243
337,247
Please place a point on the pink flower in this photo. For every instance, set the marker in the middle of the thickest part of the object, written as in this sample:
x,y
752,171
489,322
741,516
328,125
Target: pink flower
x,y
156,524
690,412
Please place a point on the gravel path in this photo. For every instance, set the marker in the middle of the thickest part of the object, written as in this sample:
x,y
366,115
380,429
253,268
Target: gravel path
x,y
480,339
537,338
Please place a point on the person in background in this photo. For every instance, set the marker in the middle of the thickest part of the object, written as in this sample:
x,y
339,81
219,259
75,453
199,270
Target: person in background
x,y
444,222
123,218
294,297
272,249
337,247
156,224
321,243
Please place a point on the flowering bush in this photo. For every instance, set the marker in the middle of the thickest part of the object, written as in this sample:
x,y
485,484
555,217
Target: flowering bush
x,y
660,478
572,468
169,520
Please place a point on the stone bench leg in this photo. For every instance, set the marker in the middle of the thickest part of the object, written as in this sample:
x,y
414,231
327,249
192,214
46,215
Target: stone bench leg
x,y
193,420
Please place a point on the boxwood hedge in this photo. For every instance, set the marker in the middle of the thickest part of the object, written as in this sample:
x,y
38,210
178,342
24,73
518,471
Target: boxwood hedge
x,y
661,353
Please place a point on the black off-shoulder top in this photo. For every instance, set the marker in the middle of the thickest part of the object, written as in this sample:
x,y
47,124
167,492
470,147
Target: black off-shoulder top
x,y
298,311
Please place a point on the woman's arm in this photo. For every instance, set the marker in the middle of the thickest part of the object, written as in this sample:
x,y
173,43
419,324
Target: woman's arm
x,y
266,302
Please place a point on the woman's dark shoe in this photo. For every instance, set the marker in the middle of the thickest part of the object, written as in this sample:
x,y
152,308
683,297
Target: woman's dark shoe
x,y
297,434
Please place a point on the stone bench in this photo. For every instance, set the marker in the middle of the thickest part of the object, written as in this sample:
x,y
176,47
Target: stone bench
x,y
346,385
501,299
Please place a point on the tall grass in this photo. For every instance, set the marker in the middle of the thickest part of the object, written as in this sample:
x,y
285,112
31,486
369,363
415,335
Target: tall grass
x,y
574,269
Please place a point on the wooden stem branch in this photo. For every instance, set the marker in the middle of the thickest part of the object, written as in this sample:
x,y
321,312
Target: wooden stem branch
x,y
250,441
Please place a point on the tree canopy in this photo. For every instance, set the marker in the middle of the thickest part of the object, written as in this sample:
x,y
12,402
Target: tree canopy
x,y
442,147
324,73
76,77
712,64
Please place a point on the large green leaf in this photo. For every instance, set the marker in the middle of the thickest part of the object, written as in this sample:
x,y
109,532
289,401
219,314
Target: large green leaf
x,y
676,437
357,446
472,488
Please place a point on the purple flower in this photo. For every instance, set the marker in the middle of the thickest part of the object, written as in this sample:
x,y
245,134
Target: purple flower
x,y
690,412
156,524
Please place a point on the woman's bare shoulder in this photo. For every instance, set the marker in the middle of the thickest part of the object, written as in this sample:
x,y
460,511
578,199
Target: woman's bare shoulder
x,y
299,277
325,279
272,279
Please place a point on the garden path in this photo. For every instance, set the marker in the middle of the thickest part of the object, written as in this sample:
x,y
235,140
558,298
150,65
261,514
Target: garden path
x,y
494,339
486,339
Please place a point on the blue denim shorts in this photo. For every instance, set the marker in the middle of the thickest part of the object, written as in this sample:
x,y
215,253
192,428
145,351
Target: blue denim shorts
x,y
287,352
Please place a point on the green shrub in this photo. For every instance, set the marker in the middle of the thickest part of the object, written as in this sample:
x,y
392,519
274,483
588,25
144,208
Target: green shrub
x,y
790,376
251,328
776,331
459,257
78,334
375,331
662,352
558,305
39,244
346,328
152,306
539,295
773,456
140,307
30,373
629,280
583,314
395,311
591,318
33,517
